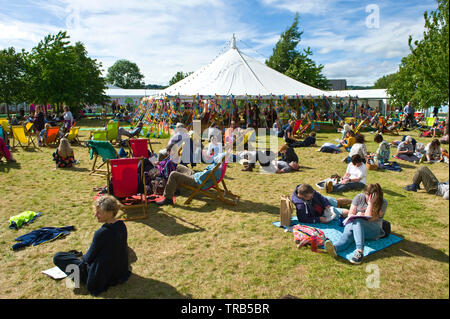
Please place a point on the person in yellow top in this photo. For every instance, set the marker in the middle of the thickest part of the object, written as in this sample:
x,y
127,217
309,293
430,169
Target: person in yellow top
x,y
349,140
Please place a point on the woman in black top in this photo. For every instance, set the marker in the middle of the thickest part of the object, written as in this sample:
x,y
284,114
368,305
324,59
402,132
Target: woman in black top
x,y
106,262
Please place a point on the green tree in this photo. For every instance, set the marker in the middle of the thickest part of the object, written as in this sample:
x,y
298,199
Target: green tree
x,y
59,73
126,75
12,73
178,77
426,68
296,64
384,81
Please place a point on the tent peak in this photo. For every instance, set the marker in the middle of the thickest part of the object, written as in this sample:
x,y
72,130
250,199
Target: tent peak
x,y
233,42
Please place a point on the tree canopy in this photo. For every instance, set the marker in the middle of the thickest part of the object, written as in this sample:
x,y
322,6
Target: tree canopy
x,y
178,77
126,75
423,75
12,73
58,73
296,64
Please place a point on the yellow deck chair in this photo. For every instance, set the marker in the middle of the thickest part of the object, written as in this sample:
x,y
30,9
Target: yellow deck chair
x,y
358,128
73,135
21,138
4,123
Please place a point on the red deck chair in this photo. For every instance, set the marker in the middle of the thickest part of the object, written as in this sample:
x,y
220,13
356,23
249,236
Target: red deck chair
x,y
123,174
297,125
139,147
220,194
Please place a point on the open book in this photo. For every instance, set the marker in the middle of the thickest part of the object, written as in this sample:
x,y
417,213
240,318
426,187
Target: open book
x,y
350,218
55,273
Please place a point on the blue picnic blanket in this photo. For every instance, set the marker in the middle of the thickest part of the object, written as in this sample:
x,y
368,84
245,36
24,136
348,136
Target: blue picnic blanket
x,y
334,232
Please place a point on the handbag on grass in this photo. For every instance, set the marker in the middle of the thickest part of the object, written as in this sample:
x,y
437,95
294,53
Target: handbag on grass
x,y
285,211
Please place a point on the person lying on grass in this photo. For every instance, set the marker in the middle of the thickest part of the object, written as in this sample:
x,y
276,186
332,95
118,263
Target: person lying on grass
x,y
288,161
106,262
370,204
430,182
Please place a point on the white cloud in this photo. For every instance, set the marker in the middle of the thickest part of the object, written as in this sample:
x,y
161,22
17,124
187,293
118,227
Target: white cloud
x,y
314,7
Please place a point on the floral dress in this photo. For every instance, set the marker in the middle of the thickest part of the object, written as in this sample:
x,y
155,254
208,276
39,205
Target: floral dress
x,y
63,161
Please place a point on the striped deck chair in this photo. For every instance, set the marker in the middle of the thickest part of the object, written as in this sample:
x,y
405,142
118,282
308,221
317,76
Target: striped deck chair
x,y
223,195
52,136
302,133
73,135
103,149
123,174
21,138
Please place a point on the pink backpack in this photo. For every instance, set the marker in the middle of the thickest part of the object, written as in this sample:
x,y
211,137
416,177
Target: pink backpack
x,y
303,235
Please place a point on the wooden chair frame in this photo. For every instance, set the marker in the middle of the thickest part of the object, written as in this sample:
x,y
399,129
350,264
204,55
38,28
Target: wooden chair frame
x,y
221,194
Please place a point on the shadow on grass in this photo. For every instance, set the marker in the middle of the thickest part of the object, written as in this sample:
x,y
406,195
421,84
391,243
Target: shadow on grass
x,y
168,224
392,193
408,248
404,165
7,166
243,206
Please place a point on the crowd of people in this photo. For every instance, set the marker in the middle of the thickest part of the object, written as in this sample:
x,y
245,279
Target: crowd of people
x,y
106,262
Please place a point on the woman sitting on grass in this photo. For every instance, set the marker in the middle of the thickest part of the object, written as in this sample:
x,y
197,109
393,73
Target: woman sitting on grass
x,y
358,148
64,156
354,178
370,204
4,151
434,152
106,262
288,161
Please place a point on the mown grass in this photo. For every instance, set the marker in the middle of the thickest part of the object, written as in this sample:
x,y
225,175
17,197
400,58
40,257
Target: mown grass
x,y
210,250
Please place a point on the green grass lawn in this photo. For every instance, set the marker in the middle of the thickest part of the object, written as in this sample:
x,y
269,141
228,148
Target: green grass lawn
x,y
210,250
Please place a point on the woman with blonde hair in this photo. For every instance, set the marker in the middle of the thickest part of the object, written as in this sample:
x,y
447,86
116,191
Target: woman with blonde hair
x,y
371,206
106,262
64,156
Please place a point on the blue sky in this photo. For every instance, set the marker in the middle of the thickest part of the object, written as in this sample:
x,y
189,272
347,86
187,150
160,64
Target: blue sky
x,y
164,37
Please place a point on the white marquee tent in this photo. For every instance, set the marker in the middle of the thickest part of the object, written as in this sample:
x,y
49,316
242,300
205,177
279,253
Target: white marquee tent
x,y
237,74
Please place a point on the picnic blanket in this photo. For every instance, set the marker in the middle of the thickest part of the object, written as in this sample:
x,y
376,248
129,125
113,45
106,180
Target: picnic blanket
x,y
334,232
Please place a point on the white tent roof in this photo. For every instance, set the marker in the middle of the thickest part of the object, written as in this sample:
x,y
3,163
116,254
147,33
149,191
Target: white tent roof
x,y
361,94
118,93
237,74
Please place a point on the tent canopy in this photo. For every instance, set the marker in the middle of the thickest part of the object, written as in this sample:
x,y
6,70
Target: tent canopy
x,y
237,74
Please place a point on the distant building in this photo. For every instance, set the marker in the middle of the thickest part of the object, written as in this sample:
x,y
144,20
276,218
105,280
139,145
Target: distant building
x,y
337,85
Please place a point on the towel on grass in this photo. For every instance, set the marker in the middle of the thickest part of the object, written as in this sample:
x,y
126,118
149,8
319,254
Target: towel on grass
x,y
334,232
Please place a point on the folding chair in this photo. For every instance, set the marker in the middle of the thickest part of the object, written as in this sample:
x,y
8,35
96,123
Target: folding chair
x,y
5,125
139,147
358,128
123,174
73,135
105,150
20,137
52,136
297,125
98,135
112,129
220,194
302,132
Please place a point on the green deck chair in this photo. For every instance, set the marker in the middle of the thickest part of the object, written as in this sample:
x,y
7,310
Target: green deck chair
x,y
105,150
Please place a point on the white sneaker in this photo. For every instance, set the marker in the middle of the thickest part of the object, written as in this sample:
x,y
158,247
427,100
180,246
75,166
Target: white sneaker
x,y
329,214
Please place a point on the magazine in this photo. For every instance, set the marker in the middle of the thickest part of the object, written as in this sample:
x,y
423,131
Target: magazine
x,y
350,218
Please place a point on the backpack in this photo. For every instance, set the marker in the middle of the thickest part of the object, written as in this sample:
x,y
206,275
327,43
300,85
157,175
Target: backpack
x,y
303,235
386,228
158,186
